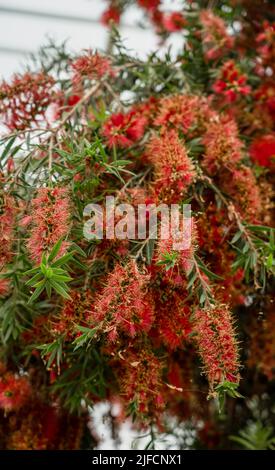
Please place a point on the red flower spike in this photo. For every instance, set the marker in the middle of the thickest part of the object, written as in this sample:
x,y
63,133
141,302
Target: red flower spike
x,y
50,221
217,344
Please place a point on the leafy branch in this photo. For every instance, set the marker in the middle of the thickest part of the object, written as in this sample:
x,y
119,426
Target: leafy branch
x,y
51,274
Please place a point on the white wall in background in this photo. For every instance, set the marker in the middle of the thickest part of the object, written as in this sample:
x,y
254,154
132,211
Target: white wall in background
x,y
23,32
23,29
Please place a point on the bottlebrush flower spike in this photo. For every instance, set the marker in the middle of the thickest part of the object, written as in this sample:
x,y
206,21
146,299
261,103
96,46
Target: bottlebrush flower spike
x,y
217,344
141,383
173,316
25,100
50,221
173,169
179,248
90,66
14,391
215,37
222,145
123,130
245,193
177,111
124,304
7,224
4,287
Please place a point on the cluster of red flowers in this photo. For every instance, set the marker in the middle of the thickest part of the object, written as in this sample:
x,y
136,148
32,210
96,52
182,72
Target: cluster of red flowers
x,y
25,100
262,150
14,391
231,83
124,304
124,129
49,221
217,344
90,65
173,22
177,111
215,38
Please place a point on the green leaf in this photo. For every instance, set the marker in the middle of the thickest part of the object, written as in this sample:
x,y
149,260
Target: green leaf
x,y
63,260
59,289
269,261
55,250
36,293
236,237
33,280
86,337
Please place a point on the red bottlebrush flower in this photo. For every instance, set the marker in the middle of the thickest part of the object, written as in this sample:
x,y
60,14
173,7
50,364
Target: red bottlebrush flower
x,y
111,15
90,66
174,22
215,38
149,4
24,102
141,382
217,344
222,145
266,41
4,287
124,130
172,328
50,221
173,169
7,223
231,82
73,312
244,190
182,246
262,150
124,303
14,391
177,111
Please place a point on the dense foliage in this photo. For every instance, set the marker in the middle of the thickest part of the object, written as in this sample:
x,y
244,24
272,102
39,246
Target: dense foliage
x,y
172,336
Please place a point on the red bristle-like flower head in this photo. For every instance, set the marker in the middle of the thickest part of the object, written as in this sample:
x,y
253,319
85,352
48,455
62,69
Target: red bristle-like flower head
x,y
14,391
25,100
124,305
50,221
217,344
173,169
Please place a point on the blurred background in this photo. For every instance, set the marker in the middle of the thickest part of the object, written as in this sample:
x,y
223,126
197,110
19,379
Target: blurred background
x,y
25,25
